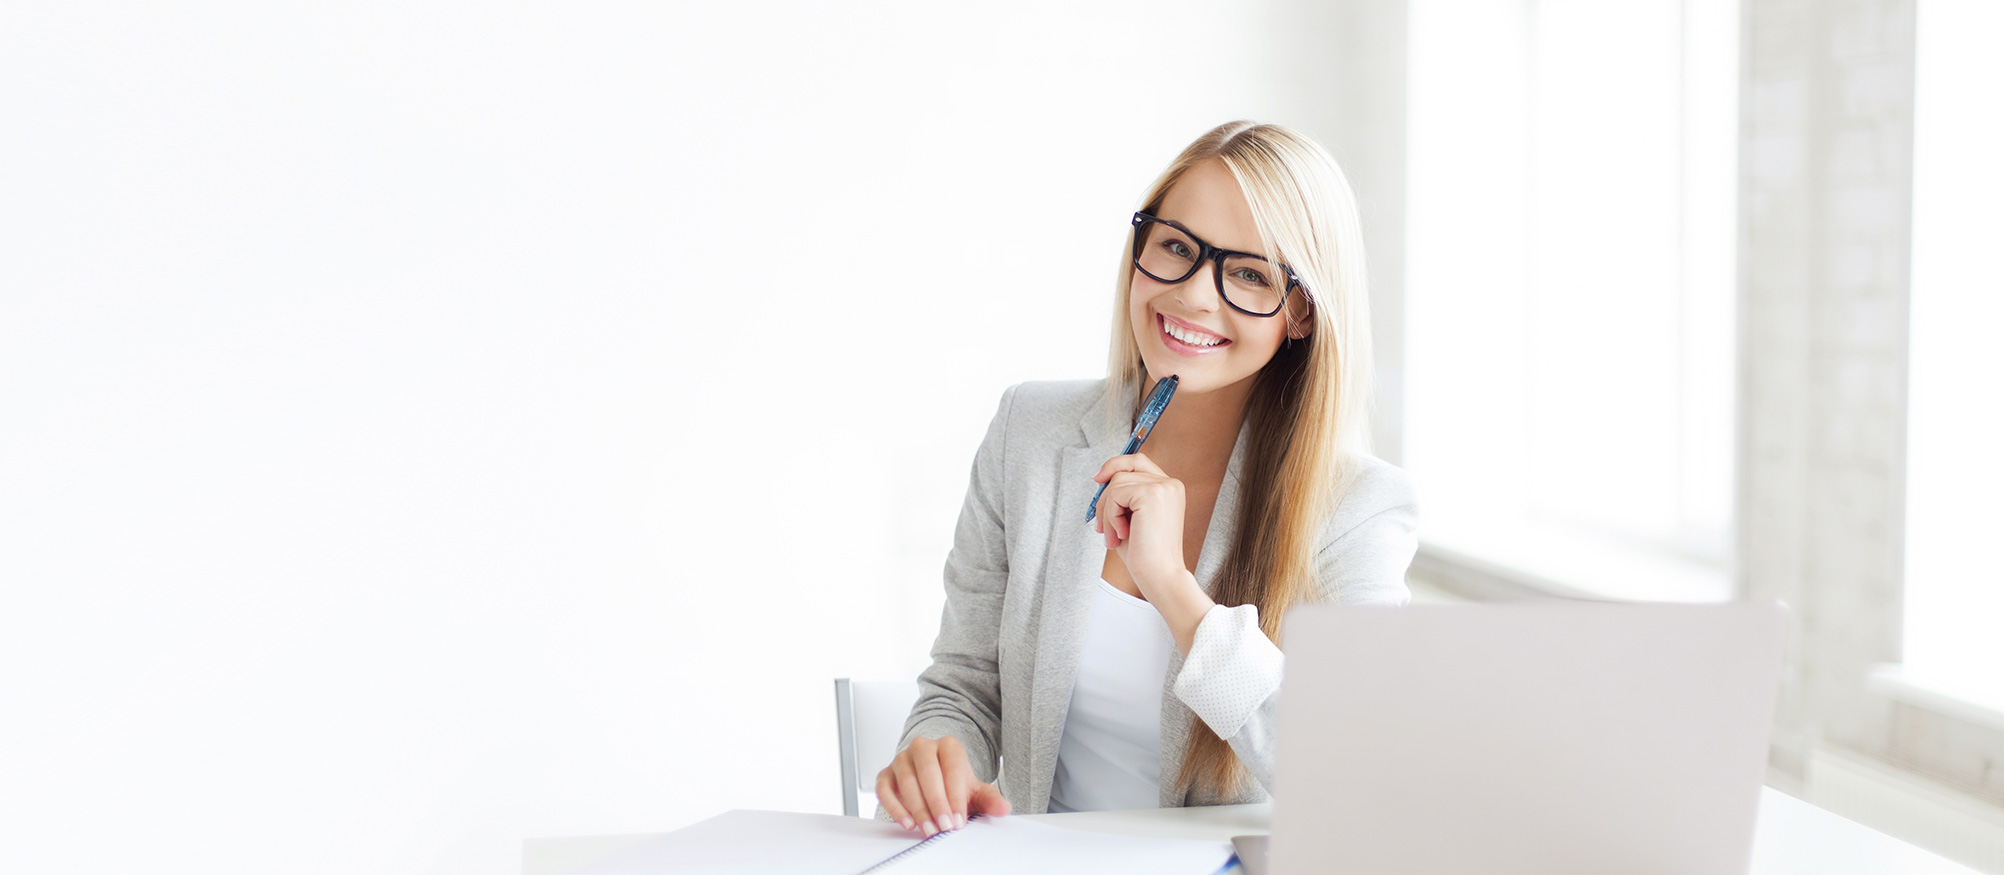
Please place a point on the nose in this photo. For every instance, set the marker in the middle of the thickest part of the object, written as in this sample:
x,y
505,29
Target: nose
x,y
1199,292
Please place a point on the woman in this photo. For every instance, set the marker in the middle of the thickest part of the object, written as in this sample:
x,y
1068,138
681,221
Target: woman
x,y
1134,661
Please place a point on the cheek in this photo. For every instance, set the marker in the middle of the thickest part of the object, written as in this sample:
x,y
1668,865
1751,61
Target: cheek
x,y
1262,342
1140,290
1264,339
1139,296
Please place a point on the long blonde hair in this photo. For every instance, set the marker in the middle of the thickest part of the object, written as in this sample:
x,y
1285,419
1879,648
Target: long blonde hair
x,y
1309,411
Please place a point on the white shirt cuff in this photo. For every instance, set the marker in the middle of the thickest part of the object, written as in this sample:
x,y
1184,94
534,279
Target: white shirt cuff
x,y
1231,670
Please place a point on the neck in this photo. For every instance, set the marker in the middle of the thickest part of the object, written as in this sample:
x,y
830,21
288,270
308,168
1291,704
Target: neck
x,y
1197,431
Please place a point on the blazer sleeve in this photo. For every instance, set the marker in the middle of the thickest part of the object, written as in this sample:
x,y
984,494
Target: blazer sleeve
x,y
960,693
1231,677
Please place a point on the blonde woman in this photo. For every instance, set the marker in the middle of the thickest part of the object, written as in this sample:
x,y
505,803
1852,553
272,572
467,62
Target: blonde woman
x,y
1134,661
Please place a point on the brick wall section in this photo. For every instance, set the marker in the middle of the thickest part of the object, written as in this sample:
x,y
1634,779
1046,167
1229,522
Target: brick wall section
x,y
1825,186
1826,203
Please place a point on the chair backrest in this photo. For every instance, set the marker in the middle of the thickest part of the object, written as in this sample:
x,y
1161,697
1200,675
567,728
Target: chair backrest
x,y
869,721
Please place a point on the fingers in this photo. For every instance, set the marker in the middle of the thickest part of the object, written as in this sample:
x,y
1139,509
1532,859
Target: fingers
x,y
1115,517
1130,462
887,796
927,785
909,794
932,784
987,799
956,775
981,799
1109,468
1125,477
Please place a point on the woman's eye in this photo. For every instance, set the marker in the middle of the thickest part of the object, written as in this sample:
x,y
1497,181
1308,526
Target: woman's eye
x,y
1250,277
1177,248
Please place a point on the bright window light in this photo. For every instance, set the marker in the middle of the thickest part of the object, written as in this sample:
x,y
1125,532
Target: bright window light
x,y
1955,443
1570,288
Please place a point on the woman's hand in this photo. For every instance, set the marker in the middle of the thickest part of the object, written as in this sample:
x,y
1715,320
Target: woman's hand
x,y
1141,515
930,787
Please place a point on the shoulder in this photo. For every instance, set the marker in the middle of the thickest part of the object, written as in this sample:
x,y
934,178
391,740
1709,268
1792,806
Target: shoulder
x,y
1371,535
1055,397
1048,406
1370,489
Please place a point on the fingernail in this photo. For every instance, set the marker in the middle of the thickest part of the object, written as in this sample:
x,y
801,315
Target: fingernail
x,y
962,818
929,829
907,822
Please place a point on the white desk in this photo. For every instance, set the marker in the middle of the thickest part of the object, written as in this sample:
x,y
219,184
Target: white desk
x,y
1793,838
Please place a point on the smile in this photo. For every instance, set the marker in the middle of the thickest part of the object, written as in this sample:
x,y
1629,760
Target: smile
x,y
1187,340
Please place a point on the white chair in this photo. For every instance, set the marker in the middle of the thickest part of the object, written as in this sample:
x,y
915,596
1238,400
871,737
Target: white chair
x,y
869,720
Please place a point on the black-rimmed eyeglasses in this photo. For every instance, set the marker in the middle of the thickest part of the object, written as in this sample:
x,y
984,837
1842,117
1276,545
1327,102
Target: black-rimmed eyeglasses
x,y
1167,252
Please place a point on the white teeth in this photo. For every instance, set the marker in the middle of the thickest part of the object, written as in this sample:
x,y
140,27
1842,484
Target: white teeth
x,y
1187,337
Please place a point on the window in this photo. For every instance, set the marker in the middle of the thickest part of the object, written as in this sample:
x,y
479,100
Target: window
x,y
1570,289
1955,443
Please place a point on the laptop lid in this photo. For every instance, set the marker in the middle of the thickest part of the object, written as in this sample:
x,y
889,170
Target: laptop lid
x,y
1534,738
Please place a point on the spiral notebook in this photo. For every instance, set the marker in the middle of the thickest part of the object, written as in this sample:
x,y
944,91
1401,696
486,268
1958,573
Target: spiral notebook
x,y
812,844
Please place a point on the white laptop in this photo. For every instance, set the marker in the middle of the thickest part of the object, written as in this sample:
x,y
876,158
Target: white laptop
x,y
1524,738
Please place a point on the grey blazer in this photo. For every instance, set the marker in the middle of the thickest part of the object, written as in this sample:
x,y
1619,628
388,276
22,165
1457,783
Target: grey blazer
x,y
1019,585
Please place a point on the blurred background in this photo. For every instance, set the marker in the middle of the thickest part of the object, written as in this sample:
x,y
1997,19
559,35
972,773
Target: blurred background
x,y
425,426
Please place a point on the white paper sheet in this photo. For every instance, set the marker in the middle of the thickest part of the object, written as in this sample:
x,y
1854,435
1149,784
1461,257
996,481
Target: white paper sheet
x,y
1016,846
825,844
764,842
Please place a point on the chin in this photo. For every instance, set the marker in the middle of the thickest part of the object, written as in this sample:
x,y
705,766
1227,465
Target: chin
x,y
1190,380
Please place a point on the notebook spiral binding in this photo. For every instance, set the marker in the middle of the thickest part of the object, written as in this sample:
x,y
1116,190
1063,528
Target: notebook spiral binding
x,y
910,851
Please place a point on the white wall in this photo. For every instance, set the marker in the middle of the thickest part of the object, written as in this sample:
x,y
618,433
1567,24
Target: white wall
x,y
426,426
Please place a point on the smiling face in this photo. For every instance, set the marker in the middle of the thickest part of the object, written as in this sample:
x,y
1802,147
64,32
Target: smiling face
x,y
1186,328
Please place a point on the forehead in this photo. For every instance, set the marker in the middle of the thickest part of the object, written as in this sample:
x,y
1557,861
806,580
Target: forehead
x,y
1208,200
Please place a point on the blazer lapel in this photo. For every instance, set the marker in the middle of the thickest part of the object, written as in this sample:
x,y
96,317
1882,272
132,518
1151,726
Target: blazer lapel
x,y
1077,554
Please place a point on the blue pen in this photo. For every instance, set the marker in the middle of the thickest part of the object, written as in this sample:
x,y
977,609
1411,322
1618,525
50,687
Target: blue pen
x,y
1157,402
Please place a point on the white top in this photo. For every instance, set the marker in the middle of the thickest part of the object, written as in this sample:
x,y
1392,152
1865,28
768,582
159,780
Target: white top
x,y
1109,757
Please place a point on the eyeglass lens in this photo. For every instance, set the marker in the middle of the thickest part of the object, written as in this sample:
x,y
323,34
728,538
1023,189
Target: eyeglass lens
x,y
1248,282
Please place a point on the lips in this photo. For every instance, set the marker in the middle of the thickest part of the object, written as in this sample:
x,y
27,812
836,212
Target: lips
x,y
1199,342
